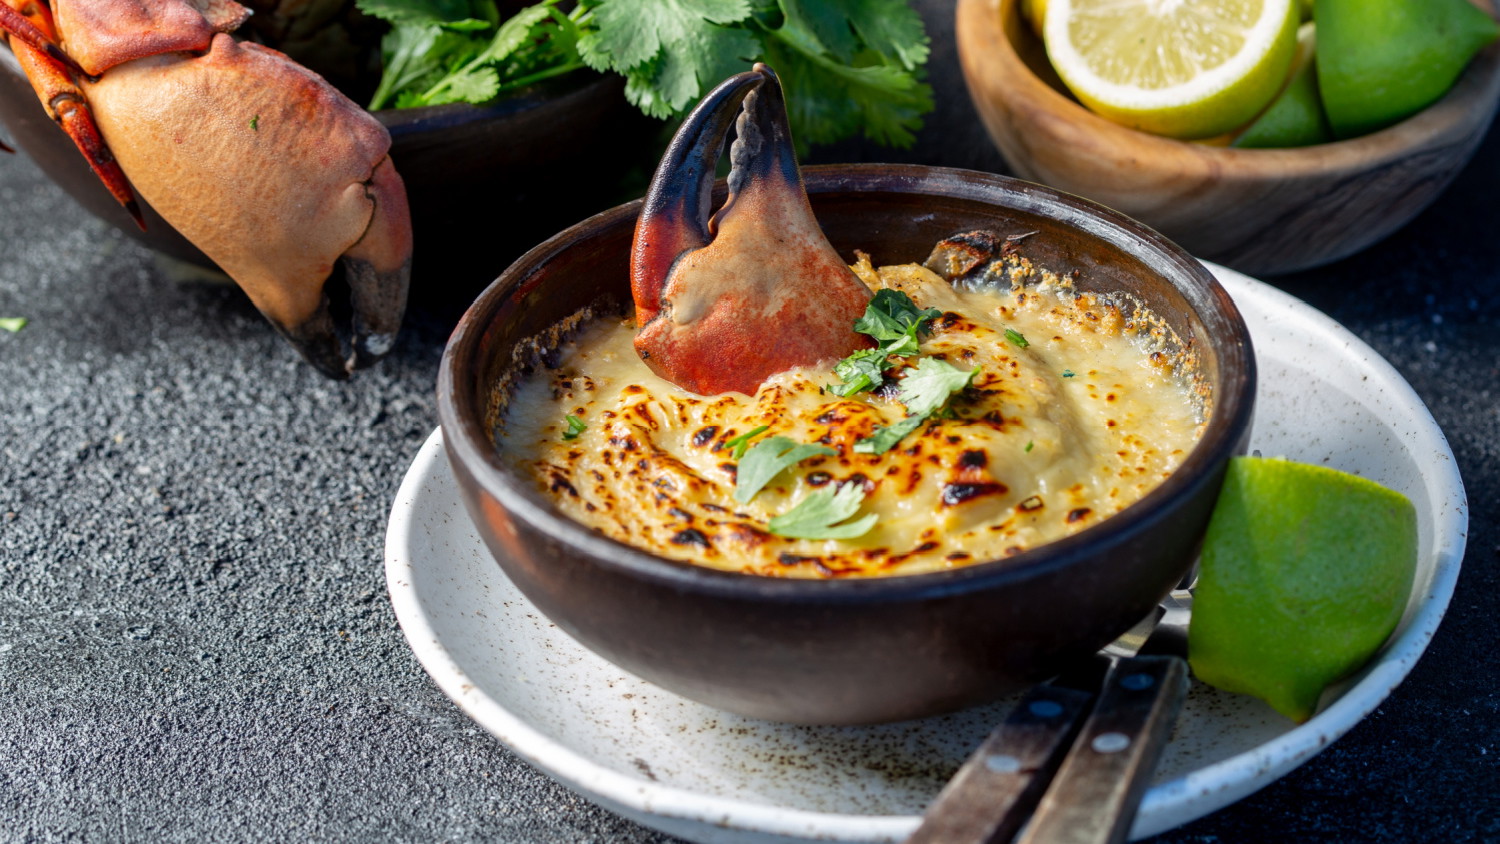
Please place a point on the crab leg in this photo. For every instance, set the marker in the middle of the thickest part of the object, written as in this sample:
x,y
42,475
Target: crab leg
x,y
727,302
52,80
19,28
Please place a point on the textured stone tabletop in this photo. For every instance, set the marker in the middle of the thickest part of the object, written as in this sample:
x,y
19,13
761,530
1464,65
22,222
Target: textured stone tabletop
x,y
195,639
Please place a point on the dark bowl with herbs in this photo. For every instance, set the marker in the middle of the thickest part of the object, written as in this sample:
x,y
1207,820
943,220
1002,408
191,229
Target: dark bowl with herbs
x,y
485,180
848,650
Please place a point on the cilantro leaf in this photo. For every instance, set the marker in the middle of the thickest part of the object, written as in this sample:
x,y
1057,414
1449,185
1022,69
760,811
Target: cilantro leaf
x,y
863,370
927,387
766,459
818,515
1017,337
629,33
576,426
829,99
892,315
1068,373
13,324
885,438
889,27
738,445
419,11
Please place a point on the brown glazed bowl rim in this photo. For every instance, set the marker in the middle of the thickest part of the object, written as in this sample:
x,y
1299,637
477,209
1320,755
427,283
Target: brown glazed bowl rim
x,y
461,412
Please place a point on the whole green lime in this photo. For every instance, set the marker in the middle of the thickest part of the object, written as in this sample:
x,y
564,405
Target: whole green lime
x,y
1380,61
1305,572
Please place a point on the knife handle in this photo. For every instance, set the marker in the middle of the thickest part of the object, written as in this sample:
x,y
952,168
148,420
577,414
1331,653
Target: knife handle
x,y
1094,797
994,792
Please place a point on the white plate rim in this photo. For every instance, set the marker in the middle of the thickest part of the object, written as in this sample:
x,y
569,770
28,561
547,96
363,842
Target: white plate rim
x,y
1165,806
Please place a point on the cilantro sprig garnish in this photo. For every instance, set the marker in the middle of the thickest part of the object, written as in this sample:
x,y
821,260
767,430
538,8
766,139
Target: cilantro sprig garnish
x,y
925,390
886,436
863,370
1017,337
849,66
575,427
458,51
738,445
822,514
765,460
893,319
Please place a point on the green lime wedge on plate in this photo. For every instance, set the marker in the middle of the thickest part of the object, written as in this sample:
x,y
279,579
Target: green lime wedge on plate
x,y
1305,573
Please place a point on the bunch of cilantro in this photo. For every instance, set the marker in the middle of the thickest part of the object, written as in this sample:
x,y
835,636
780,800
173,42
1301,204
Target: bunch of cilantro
x,y
849,66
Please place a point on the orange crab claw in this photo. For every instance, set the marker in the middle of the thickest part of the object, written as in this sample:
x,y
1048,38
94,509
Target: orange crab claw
x,y
727,302
53,81
16,25
310,184
258,161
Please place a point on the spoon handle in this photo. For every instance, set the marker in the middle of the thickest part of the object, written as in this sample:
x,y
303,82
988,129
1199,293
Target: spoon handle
x,y
994,792
1094,797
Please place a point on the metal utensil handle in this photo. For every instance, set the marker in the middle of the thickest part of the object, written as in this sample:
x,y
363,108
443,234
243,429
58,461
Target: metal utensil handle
x,y
994,792
1094,797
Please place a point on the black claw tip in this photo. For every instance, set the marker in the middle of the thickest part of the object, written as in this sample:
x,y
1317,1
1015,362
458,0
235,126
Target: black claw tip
x,y
135,213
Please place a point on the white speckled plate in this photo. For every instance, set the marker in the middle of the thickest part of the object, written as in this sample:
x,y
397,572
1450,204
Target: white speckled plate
x,y
704,775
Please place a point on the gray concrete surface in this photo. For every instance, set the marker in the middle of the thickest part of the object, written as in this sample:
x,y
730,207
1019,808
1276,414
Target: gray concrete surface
x,y
195,640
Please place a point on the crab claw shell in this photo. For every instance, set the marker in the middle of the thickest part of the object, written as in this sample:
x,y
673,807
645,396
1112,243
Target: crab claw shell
x,y
723,304
275,176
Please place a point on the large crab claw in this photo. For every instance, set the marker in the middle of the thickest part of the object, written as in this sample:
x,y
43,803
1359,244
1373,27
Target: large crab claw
x,y
258,161
722,304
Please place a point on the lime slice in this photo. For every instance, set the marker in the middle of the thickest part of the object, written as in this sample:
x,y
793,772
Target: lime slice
x,y
1305,572
1182,68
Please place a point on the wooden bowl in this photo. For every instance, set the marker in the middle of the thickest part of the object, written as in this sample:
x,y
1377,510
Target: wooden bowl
x,y
850,650
1261,211
500,176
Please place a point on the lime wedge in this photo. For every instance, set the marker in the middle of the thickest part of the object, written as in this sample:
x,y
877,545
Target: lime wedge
x,y
1305,572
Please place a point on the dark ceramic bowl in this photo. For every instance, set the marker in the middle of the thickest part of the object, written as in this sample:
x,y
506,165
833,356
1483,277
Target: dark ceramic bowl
x,y
852,651
504,175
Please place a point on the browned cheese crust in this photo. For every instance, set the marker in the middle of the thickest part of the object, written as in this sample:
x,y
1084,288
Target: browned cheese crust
x,y
1052,437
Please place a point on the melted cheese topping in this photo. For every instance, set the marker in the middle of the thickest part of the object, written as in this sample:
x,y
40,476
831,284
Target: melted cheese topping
x,y
1050,438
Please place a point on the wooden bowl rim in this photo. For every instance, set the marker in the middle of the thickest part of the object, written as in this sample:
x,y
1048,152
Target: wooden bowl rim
x,y
1467,107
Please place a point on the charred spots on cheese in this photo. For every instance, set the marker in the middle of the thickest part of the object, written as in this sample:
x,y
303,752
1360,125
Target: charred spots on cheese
x,y
690,536
787,558
561,484
955,479
955,494
628,443
705,435
973,458
747,535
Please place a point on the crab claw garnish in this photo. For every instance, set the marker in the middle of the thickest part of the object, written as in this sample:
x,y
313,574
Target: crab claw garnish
x,y
722,304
